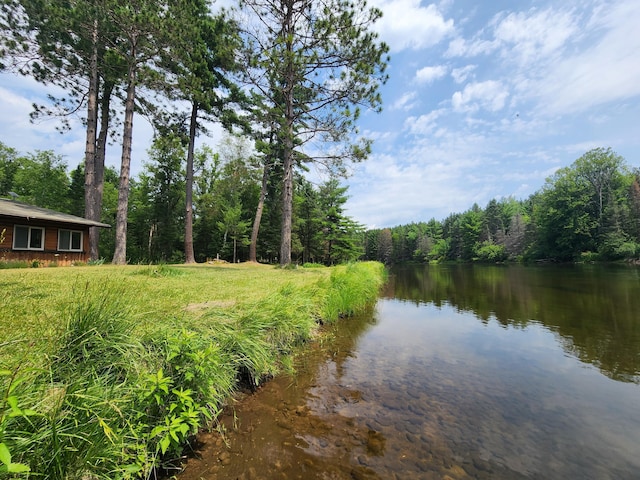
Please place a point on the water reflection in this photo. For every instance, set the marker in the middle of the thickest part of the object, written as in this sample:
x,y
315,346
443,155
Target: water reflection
x,y
593,308
460,373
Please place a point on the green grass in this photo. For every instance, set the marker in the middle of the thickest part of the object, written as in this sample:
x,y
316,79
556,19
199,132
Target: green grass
x,y
107,372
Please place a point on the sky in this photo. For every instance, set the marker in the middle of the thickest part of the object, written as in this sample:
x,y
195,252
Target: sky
x,y
486,99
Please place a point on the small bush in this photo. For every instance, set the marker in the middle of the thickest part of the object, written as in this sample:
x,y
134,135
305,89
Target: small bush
x,y
589,257
491,253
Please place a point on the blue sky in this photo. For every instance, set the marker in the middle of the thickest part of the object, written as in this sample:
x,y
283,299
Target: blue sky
x,y
485,100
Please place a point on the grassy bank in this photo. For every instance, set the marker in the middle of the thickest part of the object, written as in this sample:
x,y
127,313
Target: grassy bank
x,y
108,372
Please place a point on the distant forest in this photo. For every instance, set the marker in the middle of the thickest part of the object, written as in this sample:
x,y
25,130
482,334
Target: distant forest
x,y
587,211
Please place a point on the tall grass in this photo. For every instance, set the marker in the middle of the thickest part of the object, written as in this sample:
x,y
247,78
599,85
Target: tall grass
x,y
110,398
350,289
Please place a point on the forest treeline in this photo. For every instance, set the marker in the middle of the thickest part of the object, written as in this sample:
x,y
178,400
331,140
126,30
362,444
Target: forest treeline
x,y
226,193
587,211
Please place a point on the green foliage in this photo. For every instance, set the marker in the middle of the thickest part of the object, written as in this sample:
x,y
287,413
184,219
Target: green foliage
x,y
10,411
107,402
616,246
588,210
13,264
491,253
38,178
351,289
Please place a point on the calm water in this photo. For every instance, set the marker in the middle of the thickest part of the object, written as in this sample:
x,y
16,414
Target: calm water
x,y
460,372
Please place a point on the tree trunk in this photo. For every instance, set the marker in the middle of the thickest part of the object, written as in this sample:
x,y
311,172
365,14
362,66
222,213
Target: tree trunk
x,y
90,211
120,254
287,160
235,246
101,146
287,206
253,246
189,256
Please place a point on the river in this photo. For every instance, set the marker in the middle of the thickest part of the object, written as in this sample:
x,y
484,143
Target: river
x,y
460,372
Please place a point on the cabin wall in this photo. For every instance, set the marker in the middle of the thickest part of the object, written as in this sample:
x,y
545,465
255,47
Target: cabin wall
x,y
50,255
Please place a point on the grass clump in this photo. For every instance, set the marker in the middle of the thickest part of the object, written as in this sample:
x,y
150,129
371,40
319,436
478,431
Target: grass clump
x,y
350,289
11,264
126,375
160,270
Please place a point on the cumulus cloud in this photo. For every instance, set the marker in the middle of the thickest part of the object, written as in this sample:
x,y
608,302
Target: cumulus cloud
x,y
430,74
490,95
407,24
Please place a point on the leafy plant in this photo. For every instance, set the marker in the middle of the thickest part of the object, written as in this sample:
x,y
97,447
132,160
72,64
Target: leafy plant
x,y
10,409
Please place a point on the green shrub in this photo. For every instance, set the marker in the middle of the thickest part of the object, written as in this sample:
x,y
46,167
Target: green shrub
x,y
589,257
491,253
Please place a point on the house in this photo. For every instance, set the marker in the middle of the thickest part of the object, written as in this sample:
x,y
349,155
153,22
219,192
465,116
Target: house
x,y
46,236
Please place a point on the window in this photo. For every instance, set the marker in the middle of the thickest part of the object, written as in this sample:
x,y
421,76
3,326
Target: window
x,y
70,240
28,238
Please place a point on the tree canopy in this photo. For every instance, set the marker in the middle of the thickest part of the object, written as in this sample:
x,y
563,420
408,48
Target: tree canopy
x,y
588,210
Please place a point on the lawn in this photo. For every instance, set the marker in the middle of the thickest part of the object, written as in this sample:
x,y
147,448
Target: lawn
x,y
35,301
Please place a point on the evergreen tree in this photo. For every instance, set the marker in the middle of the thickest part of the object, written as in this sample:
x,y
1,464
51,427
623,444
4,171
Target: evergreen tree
x,y
314,65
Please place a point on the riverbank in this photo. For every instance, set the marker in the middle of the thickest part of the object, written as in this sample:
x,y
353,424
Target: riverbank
x,y
108,372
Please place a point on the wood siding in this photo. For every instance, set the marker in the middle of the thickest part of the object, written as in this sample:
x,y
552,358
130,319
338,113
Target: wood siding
x,y
51,254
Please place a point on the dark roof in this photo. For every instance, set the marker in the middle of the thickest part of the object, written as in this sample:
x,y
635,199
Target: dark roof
x,y
11,208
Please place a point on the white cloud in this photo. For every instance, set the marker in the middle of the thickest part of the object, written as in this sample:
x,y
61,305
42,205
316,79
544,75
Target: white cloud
x,y
459,47
534,35
16,129
423,124
490,95
406,24
405,102
521,37
608,71
460,75
396,193
430,74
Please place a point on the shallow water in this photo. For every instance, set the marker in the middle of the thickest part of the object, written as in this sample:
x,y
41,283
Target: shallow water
x,y
460,372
